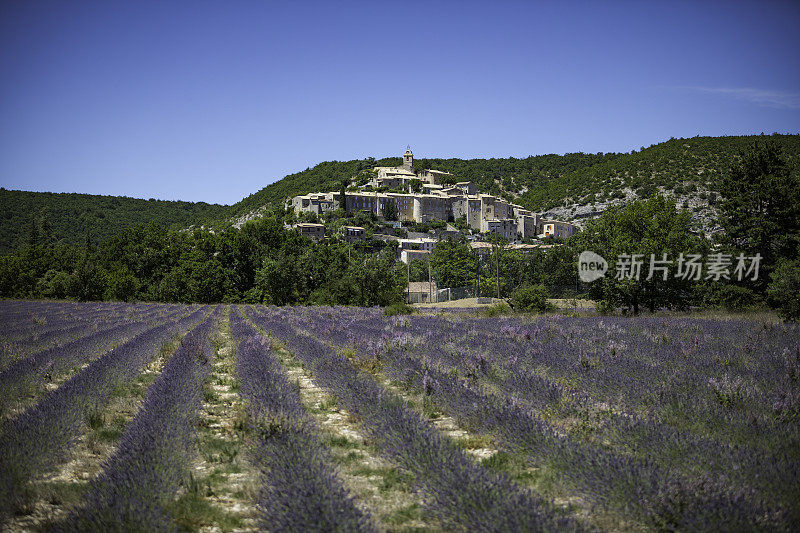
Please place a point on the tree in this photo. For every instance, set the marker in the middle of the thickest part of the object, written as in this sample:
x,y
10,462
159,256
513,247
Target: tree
x,y
760,207
278,279
379,279
454,264
784,290
390,211
54,284
122,284
416,185
461,223
557,268
88,282
171,288
637,231
418,270
531,298
205,280
523,268
343,194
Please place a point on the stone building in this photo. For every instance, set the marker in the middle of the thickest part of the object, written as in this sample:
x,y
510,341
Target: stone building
x,y
353,233
392,177
315,232
527,223
505,227
467,187
421,292
314,203
493,207
404,205
557,228
361,201
469,207
434,177
408,160
428,207
483,212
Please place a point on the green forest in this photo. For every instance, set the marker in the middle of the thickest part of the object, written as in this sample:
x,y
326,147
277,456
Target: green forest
x,y
261,262
69,217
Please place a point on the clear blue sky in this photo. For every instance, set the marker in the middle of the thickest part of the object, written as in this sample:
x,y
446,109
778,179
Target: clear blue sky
x,y
213,100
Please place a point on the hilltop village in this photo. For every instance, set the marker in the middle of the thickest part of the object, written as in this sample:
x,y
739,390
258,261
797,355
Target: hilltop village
x,y
399,196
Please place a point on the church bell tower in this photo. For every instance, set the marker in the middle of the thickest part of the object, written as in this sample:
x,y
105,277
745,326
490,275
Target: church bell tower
x,y
408,159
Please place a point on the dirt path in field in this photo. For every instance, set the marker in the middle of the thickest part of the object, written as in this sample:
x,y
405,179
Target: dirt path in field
x,y
380,488
30,395
54,496
480,447
224,486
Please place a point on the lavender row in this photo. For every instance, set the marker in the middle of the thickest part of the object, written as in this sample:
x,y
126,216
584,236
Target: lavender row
x,y
739,405
28,330
21,307
768,468
487,414
39,439
461,494
21,335
14,350
625,364
153,457
690,352
600,473
34,324
612,359
25,374
301,491
85,317
28,312
770,471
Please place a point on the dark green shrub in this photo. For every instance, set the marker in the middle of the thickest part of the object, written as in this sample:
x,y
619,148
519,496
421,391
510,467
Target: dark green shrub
x,y
494,310
252,296
605,307
398,309
731,297
322,296
531,298
54,284
784,290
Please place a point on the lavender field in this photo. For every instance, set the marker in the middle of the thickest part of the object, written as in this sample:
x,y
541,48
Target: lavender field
x,y
158,417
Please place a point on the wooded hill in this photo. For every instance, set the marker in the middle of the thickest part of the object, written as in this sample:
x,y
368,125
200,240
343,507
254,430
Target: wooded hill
x,y
545,181
68,217
686,167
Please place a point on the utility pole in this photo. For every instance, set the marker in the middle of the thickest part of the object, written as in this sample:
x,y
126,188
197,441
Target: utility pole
x,y
477,274
497,272
408,275
430,283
